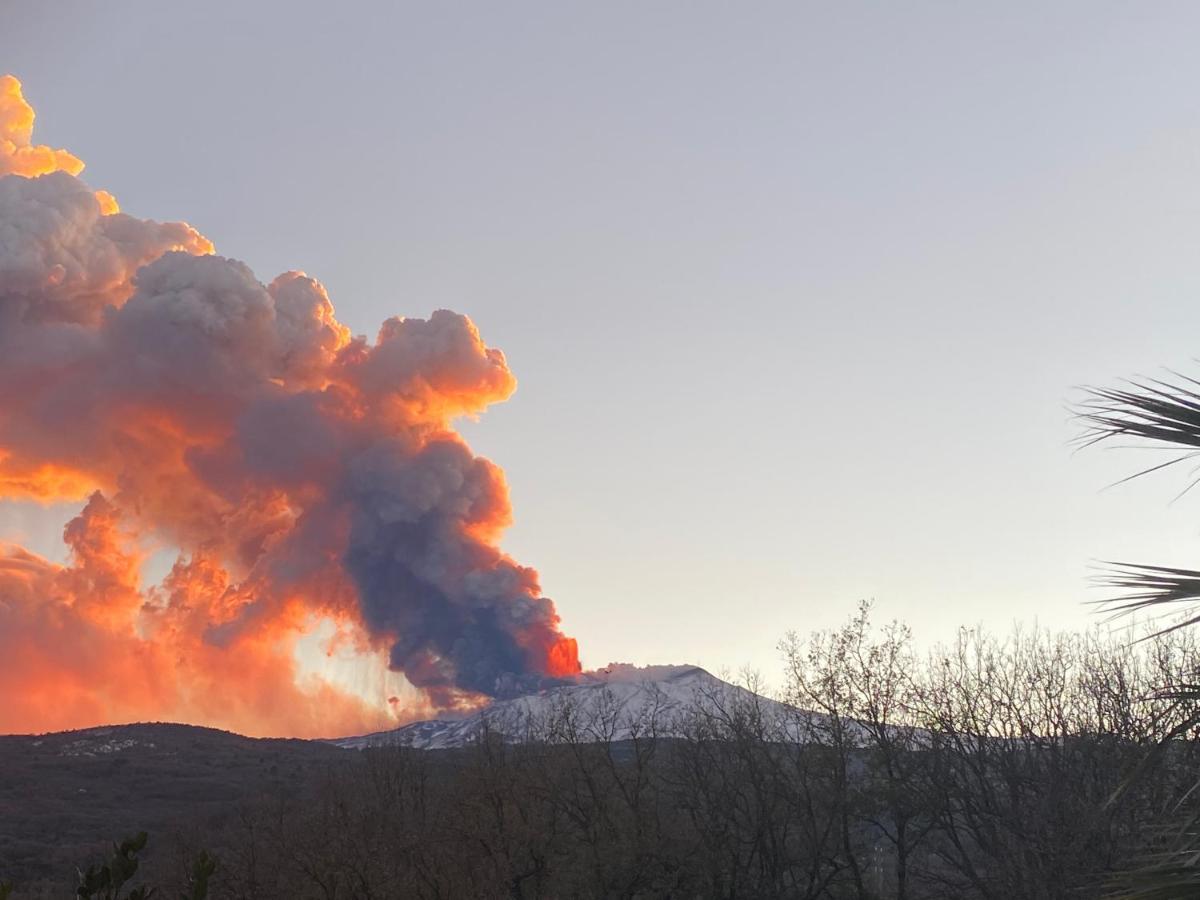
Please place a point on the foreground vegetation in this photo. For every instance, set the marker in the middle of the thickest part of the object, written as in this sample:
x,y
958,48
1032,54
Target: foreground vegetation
x,y
987,770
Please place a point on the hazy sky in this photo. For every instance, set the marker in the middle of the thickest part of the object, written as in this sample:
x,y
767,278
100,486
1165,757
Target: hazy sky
x,y
796,293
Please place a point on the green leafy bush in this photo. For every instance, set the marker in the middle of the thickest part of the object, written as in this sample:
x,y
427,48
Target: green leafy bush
x,y
104,881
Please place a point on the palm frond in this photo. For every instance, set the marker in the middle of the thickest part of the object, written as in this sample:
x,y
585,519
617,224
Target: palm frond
x,y
1164,415
1144,588
1150,409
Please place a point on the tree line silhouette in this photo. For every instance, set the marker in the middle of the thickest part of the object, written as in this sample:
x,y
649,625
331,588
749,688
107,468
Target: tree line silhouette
x,y
993,768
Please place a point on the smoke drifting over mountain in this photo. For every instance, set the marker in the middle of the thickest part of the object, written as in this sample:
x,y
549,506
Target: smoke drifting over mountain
x,y
303,474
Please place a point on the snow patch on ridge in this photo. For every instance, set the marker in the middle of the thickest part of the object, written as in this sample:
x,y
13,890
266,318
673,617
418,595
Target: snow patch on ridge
x,y
98,742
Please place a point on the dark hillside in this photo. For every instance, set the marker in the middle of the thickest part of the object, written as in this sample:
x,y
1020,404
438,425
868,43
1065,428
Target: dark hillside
x,y
985,771
64,796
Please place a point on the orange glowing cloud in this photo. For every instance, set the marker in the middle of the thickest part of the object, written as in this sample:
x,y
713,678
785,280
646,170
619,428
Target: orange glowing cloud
x,y
302,473
18,154
82,644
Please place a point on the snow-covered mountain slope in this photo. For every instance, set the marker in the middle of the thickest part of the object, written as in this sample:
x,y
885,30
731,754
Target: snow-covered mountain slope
x,y
617,703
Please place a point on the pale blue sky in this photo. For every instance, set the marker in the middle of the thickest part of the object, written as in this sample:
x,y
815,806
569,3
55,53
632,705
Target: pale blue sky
x,y
796,293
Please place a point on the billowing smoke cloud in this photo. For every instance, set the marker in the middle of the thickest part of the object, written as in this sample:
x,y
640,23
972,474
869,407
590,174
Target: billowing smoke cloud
x,y
303,474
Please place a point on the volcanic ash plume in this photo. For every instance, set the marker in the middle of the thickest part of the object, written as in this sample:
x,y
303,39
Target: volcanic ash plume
x,y
302,473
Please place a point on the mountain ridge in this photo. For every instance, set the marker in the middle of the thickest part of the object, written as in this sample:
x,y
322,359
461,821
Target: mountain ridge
x,y
618,702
